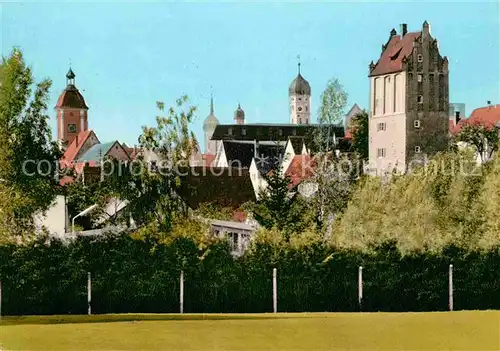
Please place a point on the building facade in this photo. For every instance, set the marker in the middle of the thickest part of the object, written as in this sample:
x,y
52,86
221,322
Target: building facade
x,y
408,101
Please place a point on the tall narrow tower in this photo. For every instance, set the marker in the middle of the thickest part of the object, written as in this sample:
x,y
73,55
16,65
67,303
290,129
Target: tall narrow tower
x,y
71,112
408,101
299,95
209,126
239,115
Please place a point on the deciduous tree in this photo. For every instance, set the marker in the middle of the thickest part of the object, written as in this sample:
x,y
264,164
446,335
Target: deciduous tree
x,y
28,156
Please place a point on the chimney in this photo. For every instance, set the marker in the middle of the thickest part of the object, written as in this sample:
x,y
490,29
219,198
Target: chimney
x,y
403,29
457,117
488,102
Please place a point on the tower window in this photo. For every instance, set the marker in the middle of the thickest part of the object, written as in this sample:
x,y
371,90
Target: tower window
x,y
420,58
420,99
300,120
419,78
300,99
380,153
71,128
381,127
416,123
306,108
299,108
417,149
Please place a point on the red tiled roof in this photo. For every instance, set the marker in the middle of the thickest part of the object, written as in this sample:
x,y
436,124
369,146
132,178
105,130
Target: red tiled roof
x,y
488,116
71,98
391,59
451,125
301,168
73,148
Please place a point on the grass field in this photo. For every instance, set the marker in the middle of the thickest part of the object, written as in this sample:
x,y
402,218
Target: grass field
x,y
311,331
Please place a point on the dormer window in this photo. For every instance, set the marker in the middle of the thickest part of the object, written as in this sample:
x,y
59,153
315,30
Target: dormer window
x,y
395,56
420,58
243,131
230,131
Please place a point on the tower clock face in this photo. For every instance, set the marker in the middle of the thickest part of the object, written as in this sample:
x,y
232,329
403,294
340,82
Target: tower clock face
x,y
71,128
300,109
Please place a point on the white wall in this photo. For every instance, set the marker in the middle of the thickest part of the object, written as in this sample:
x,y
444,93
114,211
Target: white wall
x,y
55,220
387,105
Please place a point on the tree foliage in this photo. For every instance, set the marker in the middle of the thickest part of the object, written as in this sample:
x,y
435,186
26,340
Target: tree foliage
x,y
28,156
359,130
154,175
482,136
333,101
449,201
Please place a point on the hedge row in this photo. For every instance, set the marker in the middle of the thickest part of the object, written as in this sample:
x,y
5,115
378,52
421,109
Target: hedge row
x,y
132,276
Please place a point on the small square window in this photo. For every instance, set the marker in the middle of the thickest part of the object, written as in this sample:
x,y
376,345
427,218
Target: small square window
x,y
381,127
417,149
420,99
416,123
420,58
380,153
419,78
243,131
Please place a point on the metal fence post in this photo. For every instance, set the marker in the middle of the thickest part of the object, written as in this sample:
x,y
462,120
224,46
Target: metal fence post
x,y
89,293
360,287
275,290
450,287
181,293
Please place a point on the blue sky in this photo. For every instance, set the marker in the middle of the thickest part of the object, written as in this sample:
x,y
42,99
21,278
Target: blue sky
x,y
128,55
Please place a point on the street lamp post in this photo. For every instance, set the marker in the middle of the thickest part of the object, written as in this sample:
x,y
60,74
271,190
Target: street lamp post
x,y
81,214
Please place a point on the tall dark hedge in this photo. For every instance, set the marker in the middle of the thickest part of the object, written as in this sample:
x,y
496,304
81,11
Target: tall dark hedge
x,y
143,276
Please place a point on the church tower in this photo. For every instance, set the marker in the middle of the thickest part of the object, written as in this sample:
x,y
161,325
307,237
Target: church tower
x,y
299,95
239,115
209,126
71,112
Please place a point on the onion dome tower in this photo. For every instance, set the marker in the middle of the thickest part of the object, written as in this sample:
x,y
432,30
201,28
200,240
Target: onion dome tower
x,y
239,115
299,94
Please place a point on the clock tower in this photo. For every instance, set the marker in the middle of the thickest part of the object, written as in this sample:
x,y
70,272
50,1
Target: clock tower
x,y
299,94
71,112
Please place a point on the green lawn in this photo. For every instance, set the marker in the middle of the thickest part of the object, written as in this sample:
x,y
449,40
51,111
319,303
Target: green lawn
x,y
311,331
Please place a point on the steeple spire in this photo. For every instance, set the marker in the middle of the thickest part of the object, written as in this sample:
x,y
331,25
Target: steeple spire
x,y
211,104
298,62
